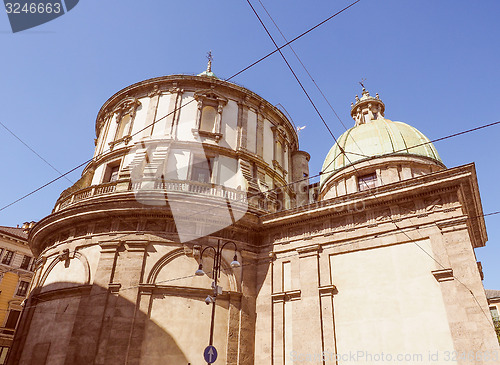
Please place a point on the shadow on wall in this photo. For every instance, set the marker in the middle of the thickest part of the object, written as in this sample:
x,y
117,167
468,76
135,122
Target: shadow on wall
x,y
89,324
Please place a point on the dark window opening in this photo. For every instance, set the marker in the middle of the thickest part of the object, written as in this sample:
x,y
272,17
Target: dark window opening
x,y
8,257
26,262
12,319
367,182
202,169
22,289
111,173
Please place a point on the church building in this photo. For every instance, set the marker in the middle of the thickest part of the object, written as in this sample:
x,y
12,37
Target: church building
x,y
375,264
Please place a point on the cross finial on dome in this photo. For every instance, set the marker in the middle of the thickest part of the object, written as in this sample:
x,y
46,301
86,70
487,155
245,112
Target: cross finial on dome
x,y
208,72
210,59
362,83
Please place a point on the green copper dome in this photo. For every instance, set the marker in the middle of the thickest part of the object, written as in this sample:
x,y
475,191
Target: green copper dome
x,y
378,137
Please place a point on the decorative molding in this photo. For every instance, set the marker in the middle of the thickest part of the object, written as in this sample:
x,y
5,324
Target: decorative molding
x,y
199,133
286,296
312,250
443,275
453,224
136,245
155,92
146,288
480,268
186,291
114,287
328,290
125,139
64,293
109,246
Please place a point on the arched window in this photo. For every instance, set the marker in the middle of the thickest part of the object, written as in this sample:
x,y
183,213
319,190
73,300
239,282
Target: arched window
x,y
208,115
124,126
125,113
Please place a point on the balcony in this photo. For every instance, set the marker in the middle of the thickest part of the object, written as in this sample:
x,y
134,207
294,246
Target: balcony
x,y
174,186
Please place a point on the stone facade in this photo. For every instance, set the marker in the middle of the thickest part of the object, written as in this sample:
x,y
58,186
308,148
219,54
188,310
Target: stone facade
x,y
182,162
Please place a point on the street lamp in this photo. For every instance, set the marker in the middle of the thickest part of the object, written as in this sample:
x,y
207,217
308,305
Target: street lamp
x,y
216,274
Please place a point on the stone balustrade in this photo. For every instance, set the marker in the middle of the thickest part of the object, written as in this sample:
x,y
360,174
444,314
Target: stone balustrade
x,y
179,186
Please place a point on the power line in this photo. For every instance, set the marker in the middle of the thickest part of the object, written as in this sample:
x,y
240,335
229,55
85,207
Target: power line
x,y
178,108
32,150
292,71
294,39
304,66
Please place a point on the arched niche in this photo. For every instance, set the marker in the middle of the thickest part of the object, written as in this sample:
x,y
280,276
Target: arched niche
x,y
177,269
66,265
177,306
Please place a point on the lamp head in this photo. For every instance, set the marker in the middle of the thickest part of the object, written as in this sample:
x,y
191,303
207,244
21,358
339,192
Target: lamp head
x,y
235,263
209,300
200,271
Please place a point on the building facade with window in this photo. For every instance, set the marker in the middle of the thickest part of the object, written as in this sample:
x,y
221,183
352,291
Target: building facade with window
x,y
378,258
16,272
493,297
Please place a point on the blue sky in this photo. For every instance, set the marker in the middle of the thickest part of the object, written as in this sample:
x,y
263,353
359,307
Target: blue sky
x,y
434,64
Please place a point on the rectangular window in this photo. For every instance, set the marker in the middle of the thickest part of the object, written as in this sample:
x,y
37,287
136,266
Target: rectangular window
x,y
4,350
12,319
286,277
22,288
494,313
111,173
26,262
367,182
202,169
279,153
7,257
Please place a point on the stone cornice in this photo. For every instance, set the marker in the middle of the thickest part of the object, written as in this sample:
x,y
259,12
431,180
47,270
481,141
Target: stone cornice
x,y
399,191
417,191
116,206
79,290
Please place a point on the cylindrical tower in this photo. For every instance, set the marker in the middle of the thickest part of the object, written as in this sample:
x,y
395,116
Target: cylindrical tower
x,y
180,162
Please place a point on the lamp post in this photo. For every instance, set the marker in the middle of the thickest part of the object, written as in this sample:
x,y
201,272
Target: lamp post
x,y
216,274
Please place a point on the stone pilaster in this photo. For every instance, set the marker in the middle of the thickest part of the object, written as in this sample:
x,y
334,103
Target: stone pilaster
x,y
307,316
242,125
151,114
260,133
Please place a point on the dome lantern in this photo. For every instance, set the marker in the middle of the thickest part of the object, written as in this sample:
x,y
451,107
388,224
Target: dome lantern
x,y
367,108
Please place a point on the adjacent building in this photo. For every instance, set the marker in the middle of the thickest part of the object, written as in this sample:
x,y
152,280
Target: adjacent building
x,y
376,260
16,272
493,297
